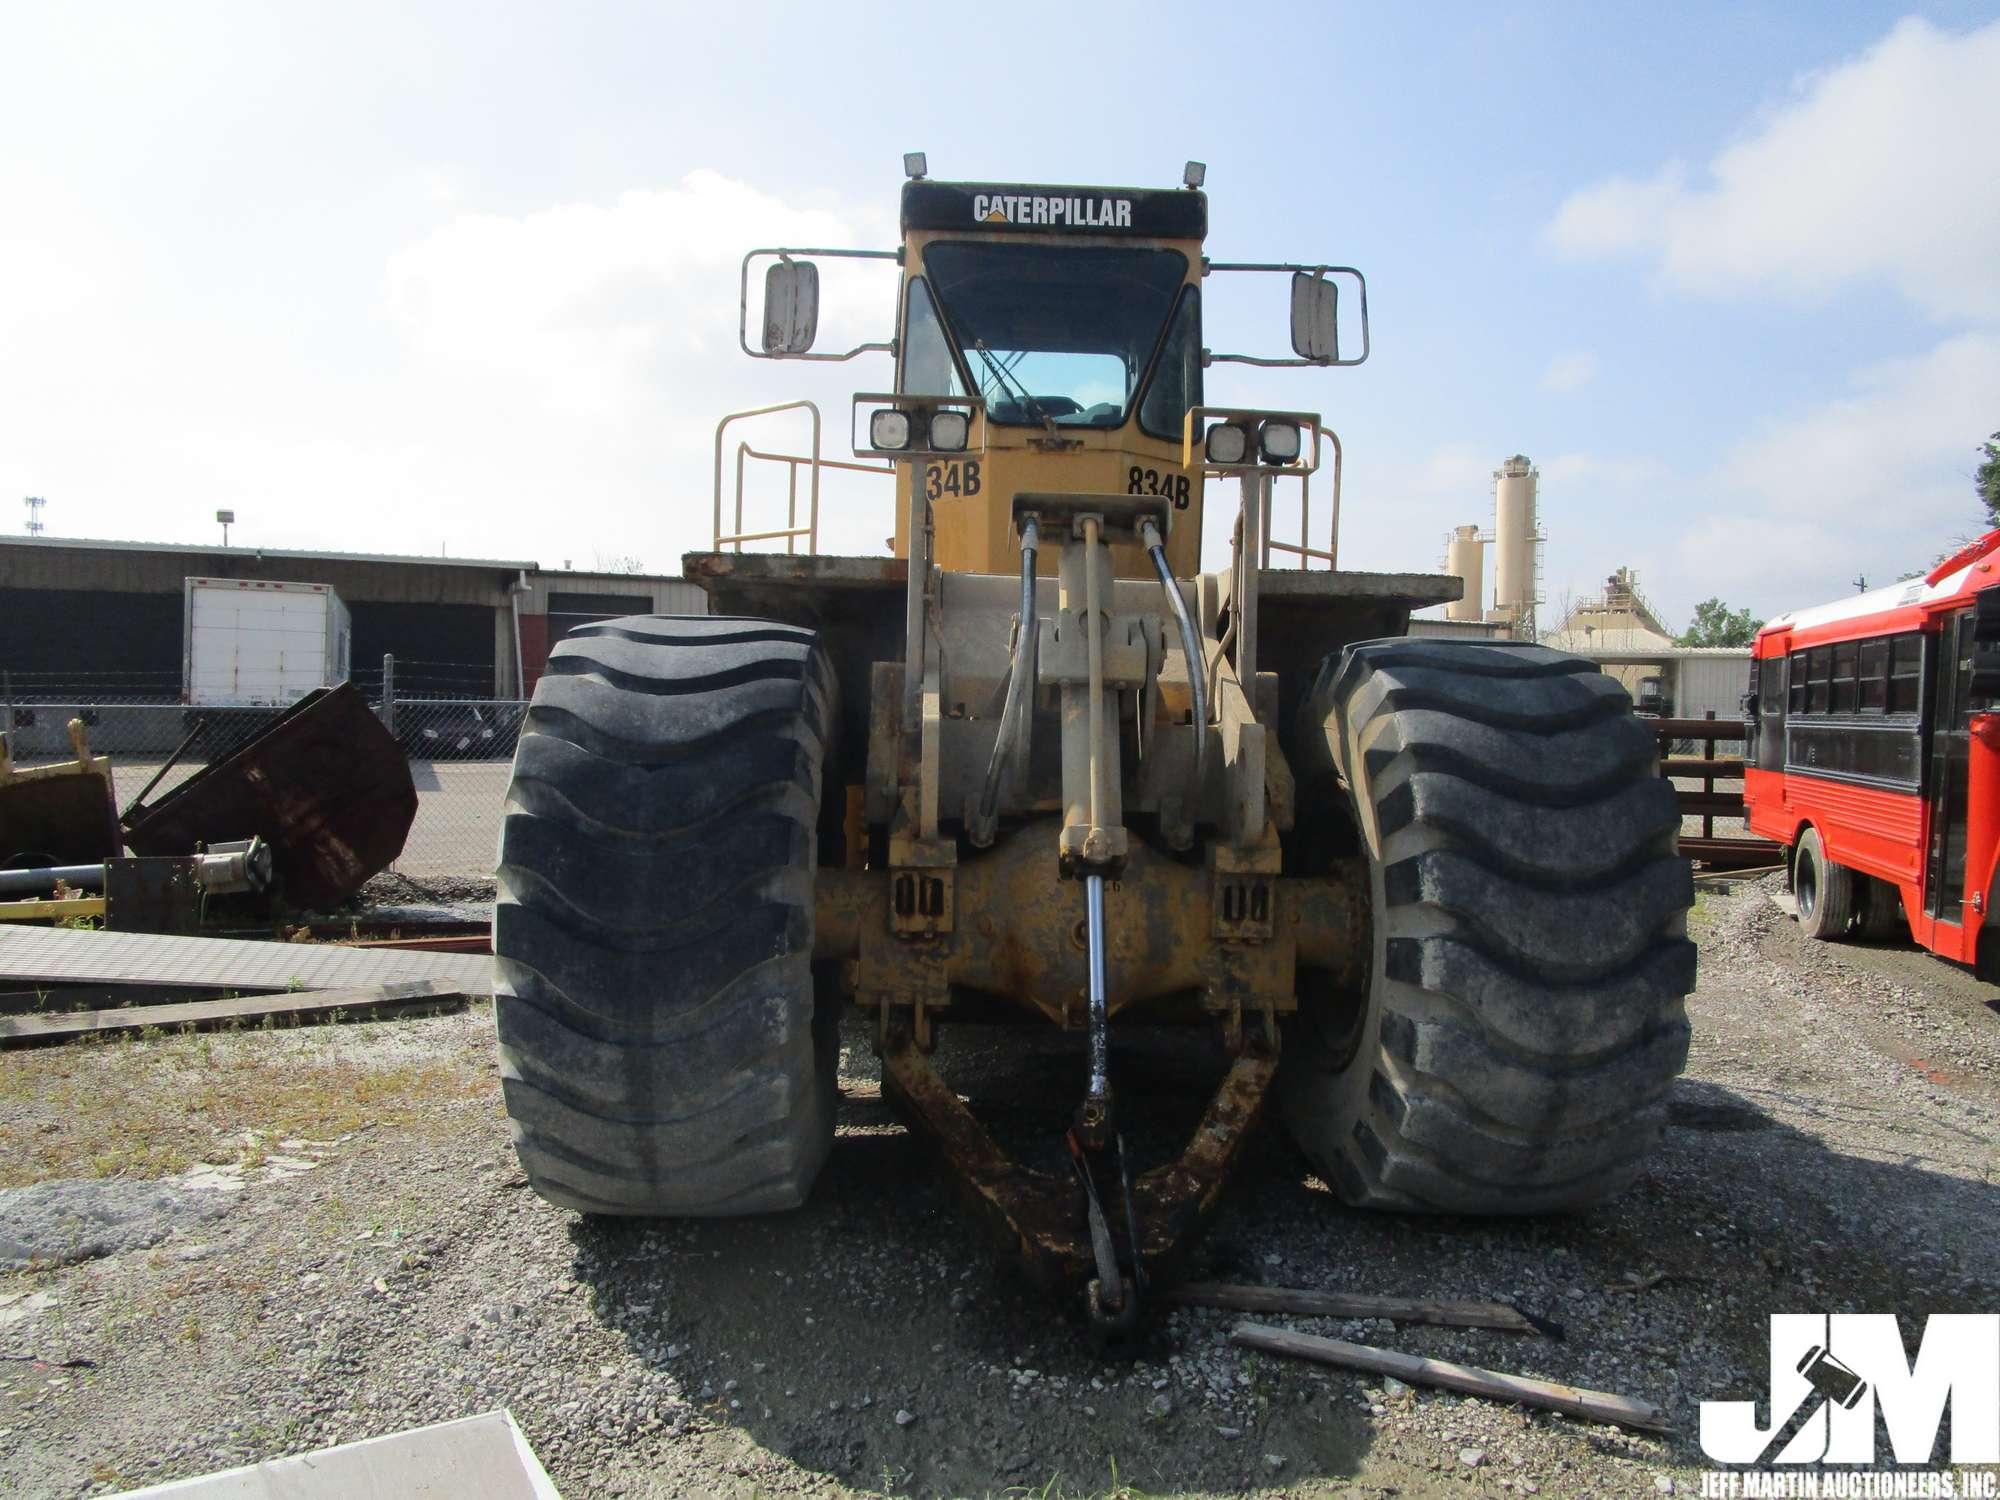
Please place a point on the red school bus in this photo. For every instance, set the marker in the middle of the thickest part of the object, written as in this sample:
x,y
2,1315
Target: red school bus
x,y
1873,756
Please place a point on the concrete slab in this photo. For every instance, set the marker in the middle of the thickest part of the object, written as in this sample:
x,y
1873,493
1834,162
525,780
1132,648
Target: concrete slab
x,y
73,957
486,1456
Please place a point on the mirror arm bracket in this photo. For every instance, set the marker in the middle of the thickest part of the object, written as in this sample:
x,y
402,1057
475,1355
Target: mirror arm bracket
x,y
785,253
1290,268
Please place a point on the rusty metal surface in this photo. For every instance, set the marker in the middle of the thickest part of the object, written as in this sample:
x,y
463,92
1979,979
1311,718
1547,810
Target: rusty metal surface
x,y
326,786
1019,935
1042,1218
153,895
61,814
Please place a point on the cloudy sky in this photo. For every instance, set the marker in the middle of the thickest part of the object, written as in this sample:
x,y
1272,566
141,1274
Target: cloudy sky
x,y
411,277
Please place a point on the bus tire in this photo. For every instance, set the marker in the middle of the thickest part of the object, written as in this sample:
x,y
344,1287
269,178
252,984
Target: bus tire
x,y
1824,890
1882,919
1525,1016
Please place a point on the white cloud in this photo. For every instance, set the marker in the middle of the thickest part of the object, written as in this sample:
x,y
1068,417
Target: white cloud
x,y
1881,167
540,385
1876,482
1570,372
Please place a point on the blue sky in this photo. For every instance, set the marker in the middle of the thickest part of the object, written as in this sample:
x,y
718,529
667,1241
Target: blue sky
x,y
409,277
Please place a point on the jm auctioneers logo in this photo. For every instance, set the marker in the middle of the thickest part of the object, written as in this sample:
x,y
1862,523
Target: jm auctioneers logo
x,y
1830,1375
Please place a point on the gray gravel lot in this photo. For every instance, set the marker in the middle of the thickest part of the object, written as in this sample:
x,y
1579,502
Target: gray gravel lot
x,y
1833,1148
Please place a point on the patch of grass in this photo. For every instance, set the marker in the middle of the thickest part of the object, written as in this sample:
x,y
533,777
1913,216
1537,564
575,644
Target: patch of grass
x,y
115,1110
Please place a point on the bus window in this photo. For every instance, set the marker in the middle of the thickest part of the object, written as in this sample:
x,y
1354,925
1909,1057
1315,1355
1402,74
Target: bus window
x,y
1797,692
1818,666
1875,675
1906,664
1840,695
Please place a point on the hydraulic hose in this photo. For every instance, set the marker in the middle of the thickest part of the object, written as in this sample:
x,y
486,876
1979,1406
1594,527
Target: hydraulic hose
x,y
1015,720
1197,665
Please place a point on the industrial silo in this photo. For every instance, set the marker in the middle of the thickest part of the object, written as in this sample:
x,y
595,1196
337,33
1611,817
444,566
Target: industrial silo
x,y
1514,538
1464,557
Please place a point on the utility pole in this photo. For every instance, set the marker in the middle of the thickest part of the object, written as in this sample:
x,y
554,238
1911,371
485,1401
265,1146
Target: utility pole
x,y
34,504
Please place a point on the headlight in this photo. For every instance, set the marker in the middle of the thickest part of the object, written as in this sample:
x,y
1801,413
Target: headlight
x,y
949,430
1227,443
1278,442
889,428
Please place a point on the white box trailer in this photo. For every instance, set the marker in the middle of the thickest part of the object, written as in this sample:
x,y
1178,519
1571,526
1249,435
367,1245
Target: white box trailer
x,y
250,642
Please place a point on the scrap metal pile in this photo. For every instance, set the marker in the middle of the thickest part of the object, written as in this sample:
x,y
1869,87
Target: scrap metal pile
x,y
299,817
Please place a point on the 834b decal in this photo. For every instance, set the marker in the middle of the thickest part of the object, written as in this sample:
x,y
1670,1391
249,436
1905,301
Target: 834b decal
x,y
1172,486
957,479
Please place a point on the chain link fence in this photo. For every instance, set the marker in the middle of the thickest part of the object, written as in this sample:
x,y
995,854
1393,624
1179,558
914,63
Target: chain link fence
x,y
460,749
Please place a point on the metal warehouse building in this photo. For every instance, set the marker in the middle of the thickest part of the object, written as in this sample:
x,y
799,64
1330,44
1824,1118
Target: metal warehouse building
x,y
103,616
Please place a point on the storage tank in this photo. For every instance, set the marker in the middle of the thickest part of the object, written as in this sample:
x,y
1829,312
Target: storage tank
x,y
1514,538
1464,557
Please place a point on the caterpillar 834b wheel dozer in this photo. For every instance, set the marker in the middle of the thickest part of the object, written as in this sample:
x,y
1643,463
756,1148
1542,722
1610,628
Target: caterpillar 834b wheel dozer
x,y
1422,894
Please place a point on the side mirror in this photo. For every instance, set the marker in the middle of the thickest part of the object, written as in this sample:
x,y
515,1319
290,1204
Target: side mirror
x,y
1315,317
791,306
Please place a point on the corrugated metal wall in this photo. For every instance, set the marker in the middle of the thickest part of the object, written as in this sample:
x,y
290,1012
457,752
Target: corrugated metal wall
x,y
73,618
650,596
1706,683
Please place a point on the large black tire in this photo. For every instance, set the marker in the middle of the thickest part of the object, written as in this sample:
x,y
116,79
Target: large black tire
x,y
660,1046
1823,890
1525,1017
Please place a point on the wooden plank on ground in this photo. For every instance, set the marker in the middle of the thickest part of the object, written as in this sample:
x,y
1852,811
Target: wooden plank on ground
x,y
1312,1304
303,1005
1592,1406
58,955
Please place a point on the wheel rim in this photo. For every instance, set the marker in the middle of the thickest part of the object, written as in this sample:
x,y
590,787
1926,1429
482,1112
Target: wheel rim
x,y
1807,882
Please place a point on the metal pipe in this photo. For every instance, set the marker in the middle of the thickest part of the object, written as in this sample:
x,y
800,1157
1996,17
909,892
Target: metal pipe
x,y
1256,498
741,449
158,776
1094,641
1014,723
515,591
722,538
34,882
228,868
1100,1045
915,590
1197,666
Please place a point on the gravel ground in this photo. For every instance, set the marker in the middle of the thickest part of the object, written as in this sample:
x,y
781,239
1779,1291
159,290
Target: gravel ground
x,y
382,1265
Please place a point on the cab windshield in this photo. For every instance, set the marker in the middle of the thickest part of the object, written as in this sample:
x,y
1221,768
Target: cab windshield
x,y
1052,334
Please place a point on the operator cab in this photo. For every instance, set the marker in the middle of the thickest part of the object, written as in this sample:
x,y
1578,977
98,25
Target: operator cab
x,y
1049,340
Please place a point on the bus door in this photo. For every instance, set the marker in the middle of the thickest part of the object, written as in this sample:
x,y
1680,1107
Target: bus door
x,y
1950,716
